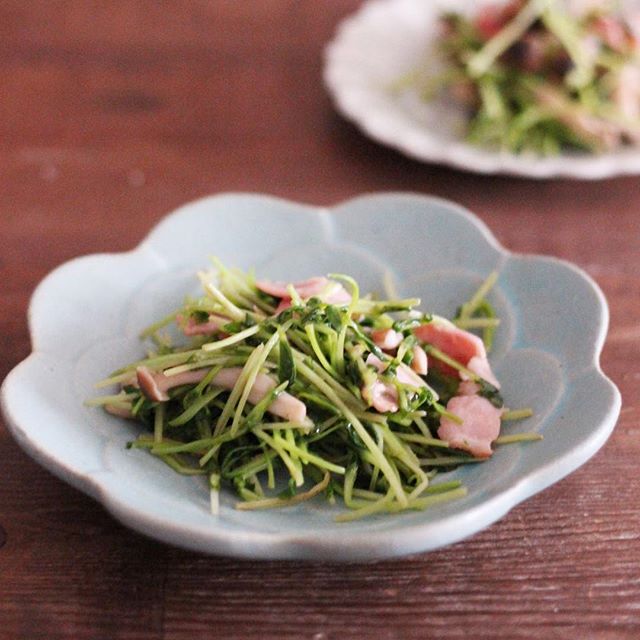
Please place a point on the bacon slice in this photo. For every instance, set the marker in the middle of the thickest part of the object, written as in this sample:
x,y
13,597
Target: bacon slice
x,y
192,328
458,344
489,23
405,374
468,388
614,33
493,18
374,361
387,339
304,288
382,396
285,303
482,368
327,290
480,426
155,387
455,342
336,294
420,363
284,406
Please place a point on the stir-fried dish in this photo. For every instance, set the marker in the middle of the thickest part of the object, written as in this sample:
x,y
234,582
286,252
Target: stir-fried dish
x,y
283,391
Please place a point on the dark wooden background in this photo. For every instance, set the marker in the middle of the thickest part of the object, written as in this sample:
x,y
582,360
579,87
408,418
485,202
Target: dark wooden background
x,y
112,113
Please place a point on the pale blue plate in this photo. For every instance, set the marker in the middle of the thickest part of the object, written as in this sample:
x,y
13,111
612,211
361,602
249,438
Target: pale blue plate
x,y
86,315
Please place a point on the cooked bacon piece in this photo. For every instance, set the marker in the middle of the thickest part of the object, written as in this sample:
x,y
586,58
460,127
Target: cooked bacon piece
x,y
480,426
386,339
382,396
336,294
458,344
404,373
327,290
289,408
285,303
614,33
468,388
455,342
488,24
284,406
374,361
192,328
304,288
602,133
155,387
481,367
419,364
493,18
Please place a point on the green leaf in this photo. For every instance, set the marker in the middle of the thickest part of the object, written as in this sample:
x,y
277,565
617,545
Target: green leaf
x,y
334,317
286,364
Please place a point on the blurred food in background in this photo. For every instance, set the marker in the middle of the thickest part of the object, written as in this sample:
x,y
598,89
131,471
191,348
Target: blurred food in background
x,y
542,75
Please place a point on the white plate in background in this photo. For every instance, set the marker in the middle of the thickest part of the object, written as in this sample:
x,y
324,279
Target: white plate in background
x,y
387,39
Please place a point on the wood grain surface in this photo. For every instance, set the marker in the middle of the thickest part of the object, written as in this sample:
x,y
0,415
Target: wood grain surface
x,y
112,113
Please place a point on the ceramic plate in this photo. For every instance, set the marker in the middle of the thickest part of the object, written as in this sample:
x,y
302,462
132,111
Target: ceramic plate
x,y
86,315
388,39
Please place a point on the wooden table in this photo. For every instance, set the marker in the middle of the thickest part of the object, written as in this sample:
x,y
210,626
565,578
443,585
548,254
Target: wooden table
x,y
114,113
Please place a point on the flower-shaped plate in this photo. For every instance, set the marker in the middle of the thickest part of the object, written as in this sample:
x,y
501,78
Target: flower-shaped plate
x,y
86,315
